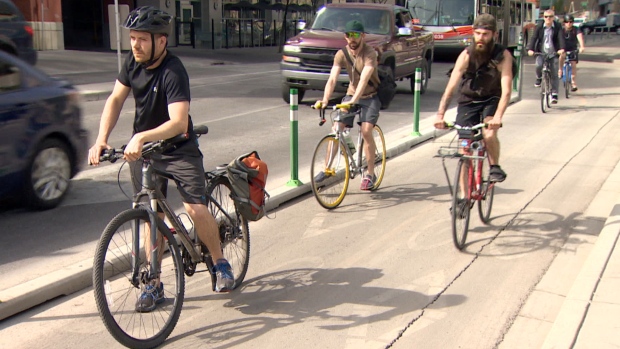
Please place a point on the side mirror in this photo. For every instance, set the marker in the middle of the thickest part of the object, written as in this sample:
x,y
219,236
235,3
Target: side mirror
x,y
404,31
301,25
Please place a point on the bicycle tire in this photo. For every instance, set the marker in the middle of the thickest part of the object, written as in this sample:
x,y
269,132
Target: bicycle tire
x,y
566,80
234,235
330,158
544,94
380,156
487,190
461,206
114,290
569,79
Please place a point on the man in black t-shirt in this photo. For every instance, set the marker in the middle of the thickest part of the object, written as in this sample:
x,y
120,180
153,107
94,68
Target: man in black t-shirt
x,y
160,87
573,37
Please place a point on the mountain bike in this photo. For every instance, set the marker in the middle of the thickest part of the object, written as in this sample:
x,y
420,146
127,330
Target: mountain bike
x,y
123,265
471,180
567,73
334,159
545,85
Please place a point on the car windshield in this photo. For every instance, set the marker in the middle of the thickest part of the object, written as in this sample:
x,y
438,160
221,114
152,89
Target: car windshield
x,y
374,21
442,12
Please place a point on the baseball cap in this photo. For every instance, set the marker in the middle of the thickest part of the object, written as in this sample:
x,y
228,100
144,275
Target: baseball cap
x,y
485,21
354,26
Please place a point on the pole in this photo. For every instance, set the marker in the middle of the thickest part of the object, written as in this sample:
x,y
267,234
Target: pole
x,y
416,102
515,79
118,34
294,182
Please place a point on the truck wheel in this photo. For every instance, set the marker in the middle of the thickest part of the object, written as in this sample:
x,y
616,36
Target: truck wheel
x,y
286,94
423,79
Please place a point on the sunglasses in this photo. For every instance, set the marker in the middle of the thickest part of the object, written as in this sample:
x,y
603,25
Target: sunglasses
x,y
549,16
354,35
568,22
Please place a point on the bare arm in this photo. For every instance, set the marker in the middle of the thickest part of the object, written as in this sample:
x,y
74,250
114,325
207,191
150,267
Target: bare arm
x,y
109,117
459,69
506,82
582,45
179,119
330,85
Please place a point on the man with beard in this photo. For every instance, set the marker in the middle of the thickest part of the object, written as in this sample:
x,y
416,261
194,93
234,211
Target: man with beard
x,y
160,87
359,92
547,39
484,72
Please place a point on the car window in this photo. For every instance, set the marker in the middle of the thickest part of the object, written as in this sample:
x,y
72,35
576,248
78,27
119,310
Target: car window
x,y
10,77
8,13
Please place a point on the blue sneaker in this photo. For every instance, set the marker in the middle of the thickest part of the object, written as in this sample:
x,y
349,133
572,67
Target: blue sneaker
x,y
150,297
225,281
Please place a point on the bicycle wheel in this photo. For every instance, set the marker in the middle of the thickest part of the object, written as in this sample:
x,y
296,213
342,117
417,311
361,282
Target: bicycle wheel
x,y
380,156
329,172
566,80
234,230
116,291
569,79
461,205
543,95
487,190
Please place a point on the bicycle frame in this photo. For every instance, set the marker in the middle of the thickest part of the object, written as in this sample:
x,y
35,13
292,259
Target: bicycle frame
x,y
475,152
355,164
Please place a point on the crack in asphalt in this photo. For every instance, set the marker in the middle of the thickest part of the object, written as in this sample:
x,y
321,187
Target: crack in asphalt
x,y
492,239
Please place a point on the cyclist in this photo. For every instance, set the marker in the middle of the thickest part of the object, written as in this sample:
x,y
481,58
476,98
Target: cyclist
x,y
160,87
359,92
484,72
547,39
573,38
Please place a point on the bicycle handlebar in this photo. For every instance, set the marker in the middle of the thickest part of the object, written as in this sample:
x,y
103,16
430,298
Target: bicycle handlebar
x,y
319,106
112,155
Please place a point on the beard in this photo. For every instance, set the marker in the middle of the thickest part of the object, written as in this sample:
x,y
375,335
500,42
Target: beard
x,y
482,52
353,45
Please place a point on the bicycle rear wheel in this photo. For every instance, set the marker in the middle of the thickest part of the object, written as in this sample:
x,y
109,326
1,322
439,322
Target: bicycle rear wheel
x,y
116,292
461,205
329,172
234,230
487,190
380,156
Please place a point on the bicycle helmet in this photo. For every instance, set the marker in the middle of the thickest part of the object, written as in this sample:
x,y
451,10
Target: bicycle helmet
x,y
569,18
148,19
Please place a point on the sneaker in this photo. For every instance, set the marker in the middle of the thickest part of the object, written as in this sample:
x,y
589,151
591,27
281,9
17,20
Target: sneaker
x,y
462,205
496,174
538,82
225,280
368,182
554,98
320,177
150,297
574,88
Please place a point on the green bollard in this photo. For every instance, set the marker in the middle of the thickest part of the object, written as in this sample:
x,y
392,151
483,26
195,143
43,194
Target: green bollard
x,y
416,103
294,182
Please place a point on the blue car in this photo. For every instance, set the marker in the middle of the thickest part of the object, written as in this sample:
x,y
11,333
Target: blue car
x,y
16,35
42,142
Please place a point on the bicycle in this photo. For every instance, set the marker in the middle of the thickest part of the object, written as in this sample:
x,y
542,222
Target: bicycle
x,y
335,159
545,85
470,186
567,73
122,267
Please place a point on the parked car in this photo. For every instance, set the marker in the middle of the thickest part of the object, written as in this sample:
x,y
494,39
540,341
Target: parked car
x,y
600,24
42,142
15,33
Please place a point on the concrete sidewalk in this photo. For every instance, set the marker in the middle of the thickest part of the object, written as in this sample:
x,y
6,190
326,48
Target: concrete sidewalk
x,y
588,317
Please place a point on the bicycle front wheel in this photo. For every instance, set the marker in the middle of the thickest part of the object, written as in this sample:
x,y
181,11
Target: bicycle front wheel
x,y
544,94
329,172
117,288
380,156
487,190
233,228
567,80
461,204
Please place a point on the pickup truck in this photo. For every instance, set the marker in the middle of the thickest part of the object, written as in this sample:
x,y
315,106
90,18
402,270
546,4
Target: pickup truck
x,y
308,57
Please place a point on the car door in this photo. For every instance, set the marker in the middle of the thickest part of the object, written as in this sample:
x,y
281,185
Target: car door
x,y
406,61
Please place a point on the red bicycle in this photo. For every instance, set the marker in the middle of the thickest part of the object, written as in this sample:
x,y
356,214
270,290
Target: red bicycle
x,y
471,180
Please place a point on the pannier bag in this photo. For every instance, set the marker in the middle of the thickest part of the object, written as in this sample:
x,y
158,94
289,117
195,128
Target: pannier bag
x,y
248,177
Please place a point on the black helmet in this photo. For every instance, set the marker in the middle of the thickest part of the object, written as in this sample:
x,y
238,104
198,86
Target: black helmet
x,y
148,19
569,18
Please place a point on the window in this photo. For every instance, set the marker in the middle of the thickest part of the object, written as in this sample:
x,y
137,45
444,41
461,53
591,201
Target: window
x,y
10,77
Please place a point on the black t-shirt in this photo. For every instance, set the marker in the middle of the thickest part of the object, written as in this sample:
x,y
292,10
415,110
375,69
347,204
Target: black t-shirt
x,y
570,37
153,90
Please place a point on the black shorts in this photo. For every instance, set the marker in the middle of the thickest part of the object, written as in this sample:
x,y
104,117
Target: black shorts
x,y
187,172
573,56
473,113
370,111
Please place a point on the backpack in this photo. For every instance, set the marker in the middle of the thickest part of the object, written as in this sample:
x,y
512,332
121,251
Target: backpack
x,y
386,89
248,176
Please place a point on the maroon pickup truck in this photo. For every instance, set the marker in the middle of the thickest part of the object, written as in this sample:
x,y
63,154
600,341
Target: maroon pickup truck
x,y
308,57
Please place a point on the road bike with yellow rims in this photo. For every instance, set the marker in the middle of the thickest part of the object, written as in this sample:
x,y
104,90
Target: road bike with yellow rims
x,y
335,160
